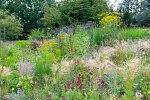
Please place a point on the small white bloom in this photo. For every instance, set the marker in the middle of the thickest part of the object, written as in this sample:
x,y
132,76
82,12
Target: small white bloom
x,y
143,53
135,84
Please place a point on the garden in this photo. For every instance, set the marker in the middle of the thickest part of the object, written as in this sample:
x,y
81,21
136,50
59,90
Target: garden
x,y
89,61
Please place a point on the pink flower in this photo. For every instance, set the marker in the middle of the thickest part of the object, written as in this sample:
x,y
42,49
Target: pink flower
x,y
102,82
72,88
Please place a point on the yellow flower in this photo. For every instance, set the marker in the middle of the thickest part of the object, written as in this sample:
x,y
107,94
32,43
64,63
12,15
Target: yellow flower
x,y
29,78
31,82
7,58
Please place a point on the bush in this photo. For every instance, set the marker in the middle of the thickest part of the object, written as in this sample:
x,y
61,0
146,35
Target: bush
x,y
44,64
21,44
37,34
52,17
13,27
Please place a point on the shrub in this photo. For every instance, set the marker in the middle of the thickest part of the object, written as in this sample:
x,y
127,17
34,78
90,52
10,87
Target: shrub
x,y
37,34
109,22
13,27
110,19
44,64
52,17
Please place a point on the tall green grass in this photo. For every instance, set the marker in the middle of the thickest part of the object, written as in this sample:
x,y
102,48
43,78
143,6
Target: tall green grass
x,y
134,33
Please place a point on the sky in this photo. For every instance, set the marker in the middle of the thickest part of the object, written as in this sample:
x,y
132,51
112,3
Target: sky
x,y
115,3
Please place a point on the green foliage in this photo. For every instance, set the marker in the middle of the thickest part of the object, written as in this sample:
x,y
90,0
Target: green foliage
x,y
142,82
44,64
127,18
21,44
26,83
82,42
104,36
143,18
37,34
13,27
75,11
52,17
29,11
134,33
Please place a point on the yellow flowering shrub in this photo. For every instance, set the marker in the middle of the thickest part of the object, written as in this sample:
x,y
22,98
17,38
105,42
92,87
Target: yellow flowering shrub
x,y
110,19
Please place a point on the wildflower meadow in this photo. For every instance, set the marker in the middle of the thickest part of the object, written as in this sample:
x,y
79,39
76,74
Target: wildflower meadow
x,y
94,60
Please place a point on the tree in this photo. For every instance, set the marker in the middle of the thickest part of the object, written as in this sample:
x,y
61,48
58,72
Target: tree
x,y
143,18
12,26
28,11
129,8
75,11
52,17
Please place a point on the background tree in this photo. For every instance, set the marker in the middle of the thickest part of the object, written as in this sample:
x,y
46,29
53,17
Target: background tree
x,y
74,11
12,25
143,17
129,8
28,11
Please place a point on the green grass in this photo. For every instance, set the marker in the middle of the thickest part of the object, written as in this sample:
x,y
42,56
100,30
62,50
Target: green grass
x,y
134,33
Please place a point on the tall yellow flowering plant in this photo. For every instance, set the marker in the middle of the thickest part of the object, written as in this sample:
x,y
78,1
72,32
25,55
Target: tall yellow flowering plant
x,y
110,19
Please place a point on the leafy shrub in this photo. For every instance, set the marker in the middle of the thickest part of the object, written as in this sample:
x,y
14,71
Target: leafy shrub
x,y
52,17
109,22
44,64
110,19
82,42
37,34
13,27
21,44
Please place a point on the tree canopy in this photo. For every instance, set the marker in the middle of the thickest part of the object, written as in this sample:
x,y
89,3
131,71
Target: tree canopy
x,y
12,25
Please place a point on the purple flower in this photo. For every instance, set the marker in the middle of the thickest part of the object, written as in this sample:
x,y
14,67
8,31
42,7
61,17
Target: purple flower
x,y
97,67
105,76
97,78
105,73
101,68
100,76
24,49
91,73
